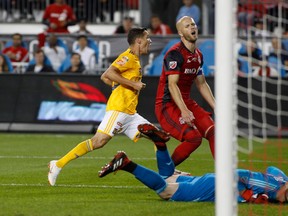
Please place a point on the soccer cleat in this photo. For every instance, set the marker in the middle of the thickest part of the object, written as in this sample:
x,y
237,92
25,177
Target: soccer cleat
x,y
53,172
154,133
119,161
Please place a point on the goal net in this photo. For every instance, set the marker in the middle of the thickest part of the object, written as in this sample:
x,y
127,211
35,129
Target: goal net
x,y
259,95
262,86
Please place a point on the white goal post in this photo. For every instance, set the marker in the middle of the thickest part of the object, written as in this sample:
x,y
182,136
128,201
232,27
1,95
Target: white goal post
x,y
226,155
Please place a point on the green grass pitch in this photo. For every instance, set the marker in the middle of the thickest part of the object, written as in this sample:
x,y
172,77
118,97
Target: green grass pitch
x,y
24,189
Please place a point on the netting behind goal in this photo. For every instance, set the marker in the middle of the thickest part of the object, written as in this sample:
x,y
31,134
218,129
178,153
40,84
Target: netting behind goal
x,y
261,104
262,87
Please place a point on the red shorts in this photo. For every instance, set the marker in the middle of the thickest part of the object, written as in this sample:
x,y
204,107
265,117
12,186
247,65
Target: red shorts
x,y
169,115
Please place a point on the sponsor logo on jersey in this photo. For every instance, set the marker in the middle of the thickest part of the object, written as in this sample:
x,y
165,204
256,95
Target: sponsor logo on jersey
x,y
122,61
190,71
191,59
172,64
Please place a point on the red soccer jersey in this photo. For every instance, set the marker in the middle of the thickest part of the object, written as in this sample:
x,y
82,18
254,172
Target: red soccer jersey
x,y
179,60
162,30
20,53
57,14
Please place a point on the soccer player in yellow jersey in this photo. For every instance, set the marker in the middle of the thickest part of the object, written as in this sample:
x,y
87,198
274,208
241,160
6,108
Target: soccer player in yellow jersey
x,y
124,76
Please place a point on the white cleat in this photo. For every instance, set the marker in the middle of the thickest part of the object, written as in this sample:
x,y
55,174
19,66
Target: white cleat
x,y
53,172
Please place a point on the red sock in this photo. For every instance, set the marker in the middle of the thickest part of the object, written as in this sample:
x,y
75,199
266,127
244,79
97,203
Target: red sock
x,y
183,150
211,138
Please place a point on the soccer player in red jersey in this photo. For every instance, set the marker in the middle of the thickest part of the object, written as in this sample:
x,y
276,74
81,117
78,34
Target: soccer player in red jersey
x,y
176,112
16,52
58,17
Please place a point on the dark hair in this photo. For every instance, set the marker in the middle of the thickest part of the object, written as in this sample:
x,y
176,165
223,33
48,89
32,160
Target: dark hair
x,y
135,33
81,66
82,19
155,16
74,53
17,34
131,19
82,36
39,51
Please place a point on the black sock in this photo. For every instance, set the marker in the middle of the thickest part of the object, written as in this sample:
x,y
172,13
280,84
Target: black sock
x,y
130,167
160,146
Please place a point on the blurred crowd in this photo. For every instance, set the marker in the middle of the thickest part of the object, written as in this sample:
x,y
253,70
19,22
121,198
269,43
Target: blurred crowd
x,y
93,10
255,18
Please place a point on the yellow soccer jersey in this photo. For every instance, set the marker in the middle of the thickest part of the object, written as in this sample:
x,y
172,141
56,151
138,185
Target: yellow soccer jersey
x,y
125,99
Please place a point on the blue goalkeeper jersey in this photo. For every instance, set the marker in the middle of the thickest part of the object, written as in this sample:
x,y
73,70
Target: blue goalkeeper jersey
x,y
195,188
260,183
202,188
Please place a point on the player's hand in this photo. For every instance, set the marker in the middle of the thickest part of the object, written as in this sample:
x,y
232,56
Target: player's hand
x,y
139,86
11,55
188,118
63,23
259,199
53,25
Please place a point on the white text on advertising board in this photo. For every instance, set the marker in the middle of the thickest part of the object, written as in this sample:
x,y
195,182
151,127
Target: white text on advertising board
x,y
68,111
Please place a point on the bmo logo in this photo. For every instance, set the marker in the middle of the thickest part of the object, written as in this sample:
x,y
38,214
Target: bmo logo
x,y
190,71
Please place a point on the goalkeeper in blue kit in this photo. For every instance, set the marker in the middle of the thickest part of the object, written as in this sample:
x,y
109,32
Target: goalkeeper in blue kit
x,y
253,187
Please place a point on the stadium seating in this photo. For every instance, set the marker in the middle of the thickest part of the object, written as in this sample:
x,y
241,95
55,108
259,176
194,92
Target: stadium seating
x,y
207,48
91,44
273,62
243,50
243,65
156,67
285,44
9,63
65,64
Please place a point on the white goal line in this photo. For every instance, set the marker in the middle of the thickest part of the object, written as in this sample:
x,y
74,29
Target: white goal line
x,y
70,186
139,158
53,157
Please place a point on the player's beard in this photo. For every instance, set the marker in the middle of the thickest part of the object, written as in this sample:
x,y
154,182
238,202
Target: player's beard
x,y
190,39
